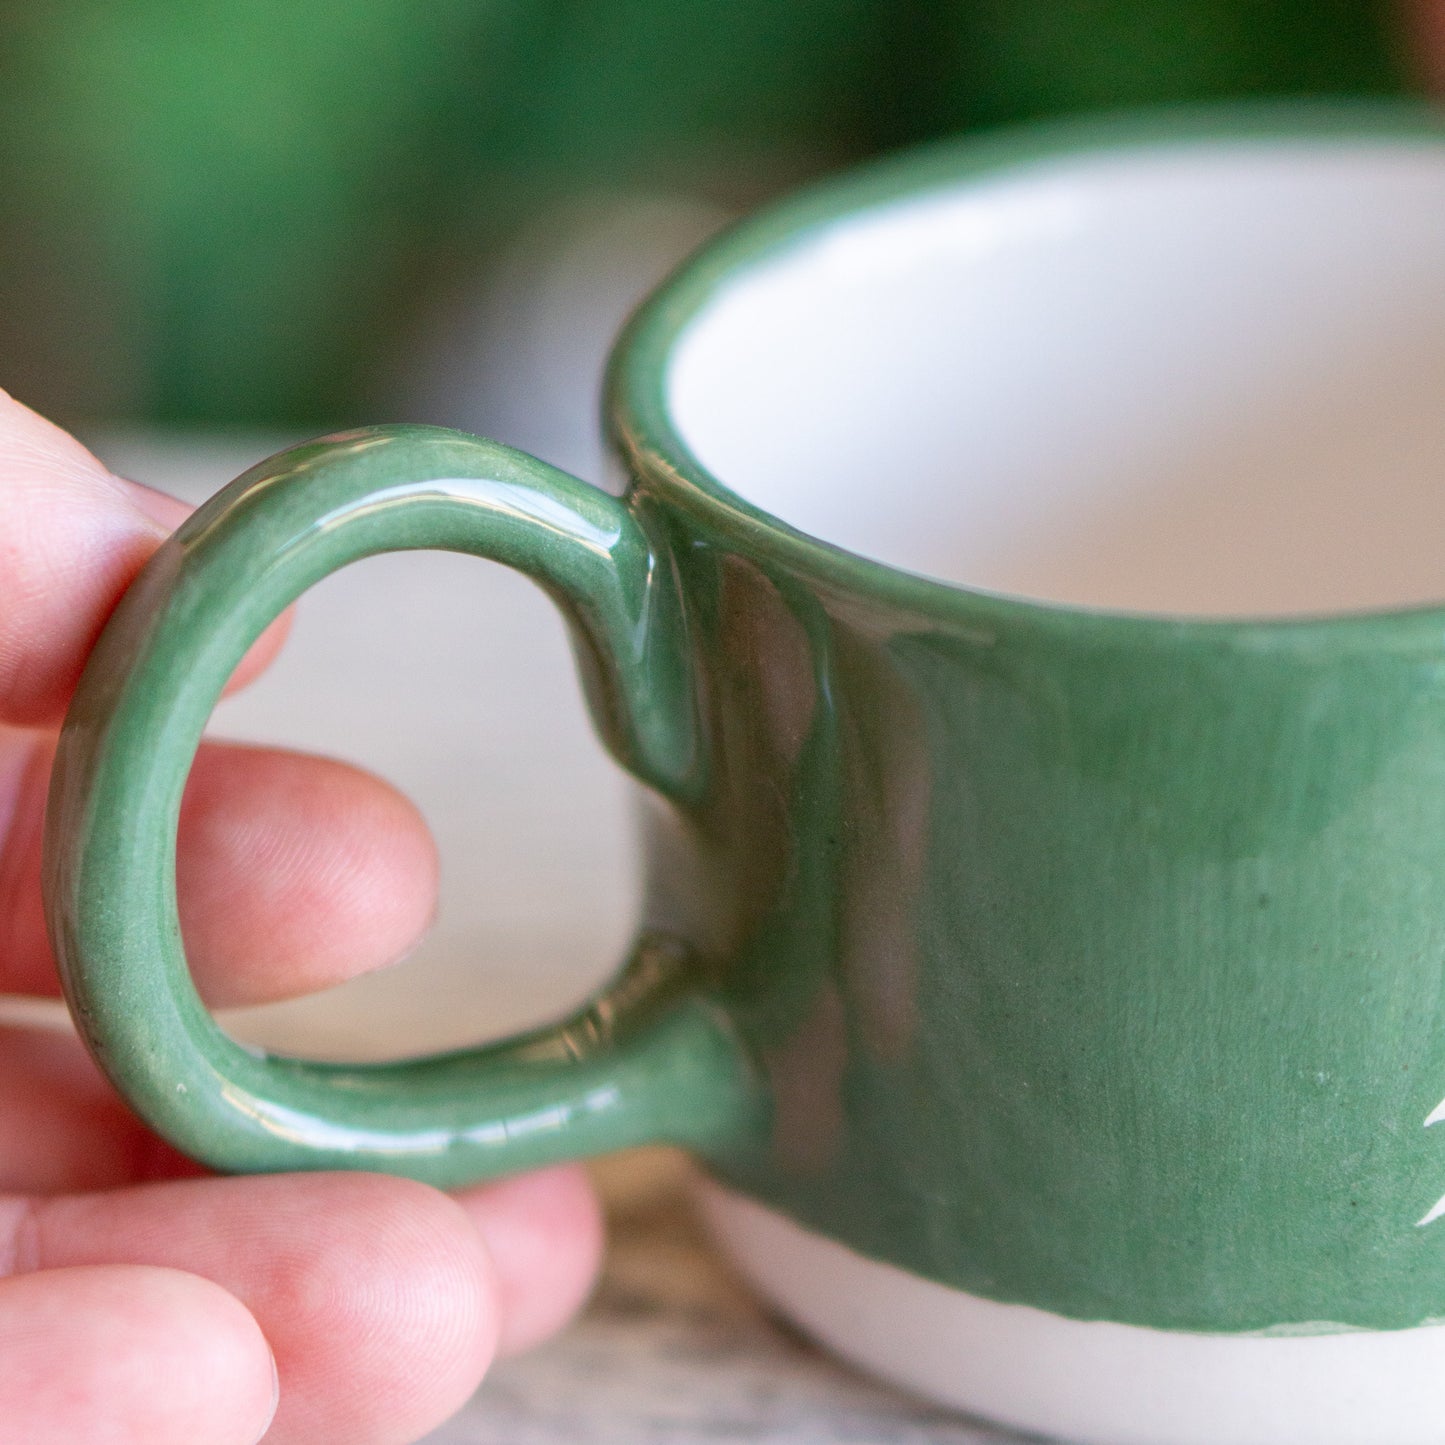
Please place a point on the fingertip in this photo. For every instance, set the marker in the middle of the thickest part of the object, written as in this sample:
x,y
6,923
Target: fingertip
x,y
167,513
545,1233
376,1294
262,653
76,537
131,1353
295,873
407,1298
79,536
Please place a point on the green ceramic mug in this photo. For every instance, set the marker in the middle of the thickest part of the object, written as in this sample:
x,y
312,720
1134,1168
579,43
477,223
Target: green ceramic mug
x,y
1044,935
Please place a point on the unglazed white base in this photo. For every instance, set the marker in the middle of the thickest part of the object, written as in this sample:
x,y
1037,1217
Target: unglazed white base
x,y
1096,1382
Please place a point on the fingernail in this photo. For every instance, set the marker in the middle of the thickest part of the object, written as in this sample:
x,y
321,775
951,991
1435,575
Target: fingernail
x,y
165,511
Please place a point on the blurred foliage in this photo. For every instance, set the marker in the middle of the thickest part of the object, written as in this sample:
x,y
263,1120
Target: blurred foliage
x,y
219,211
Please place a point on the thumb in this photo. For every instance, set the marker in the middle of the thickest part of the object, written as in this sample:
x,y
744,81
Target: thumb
x,y
72,538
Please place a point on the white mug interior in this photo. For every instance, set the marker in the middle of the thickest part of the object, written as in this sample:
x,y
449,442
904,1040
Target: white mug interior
x,y
1200,379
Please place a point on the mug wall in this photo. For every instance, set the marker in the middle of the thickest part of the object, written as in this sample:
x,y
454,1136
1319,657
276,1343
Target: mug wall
x,y
1093,961
1094,971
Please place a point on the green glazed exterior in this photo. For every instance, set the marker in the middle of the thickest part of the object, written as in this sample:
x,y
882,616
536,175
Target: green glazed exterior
x,y
648,1061
1083,960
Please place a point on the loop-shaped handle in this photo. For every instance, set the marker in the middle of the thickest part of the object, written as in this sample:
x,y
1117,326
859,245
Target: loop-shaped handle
x,y
654,1060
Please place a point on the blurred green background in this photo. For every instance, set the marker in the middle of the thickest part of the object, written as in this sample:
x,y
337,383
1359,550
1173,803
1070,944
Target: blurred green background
x,y
218,213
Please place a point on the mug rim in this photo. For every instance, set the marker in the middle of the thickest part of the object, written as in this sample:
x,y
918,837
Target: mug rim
x,y
641,431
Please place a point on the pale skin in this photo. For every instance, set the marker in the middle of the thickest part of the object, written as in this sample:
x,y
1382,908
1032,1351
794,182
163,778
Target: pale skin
x,y
142,1303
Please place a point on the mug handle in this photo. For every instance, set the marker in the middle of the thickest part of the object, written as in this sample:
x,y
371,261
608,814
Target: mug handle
x,y
653,1060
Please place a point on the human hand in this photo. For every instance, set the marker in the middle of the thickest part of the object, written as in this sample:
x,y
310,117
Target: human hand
x,y
141,1301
